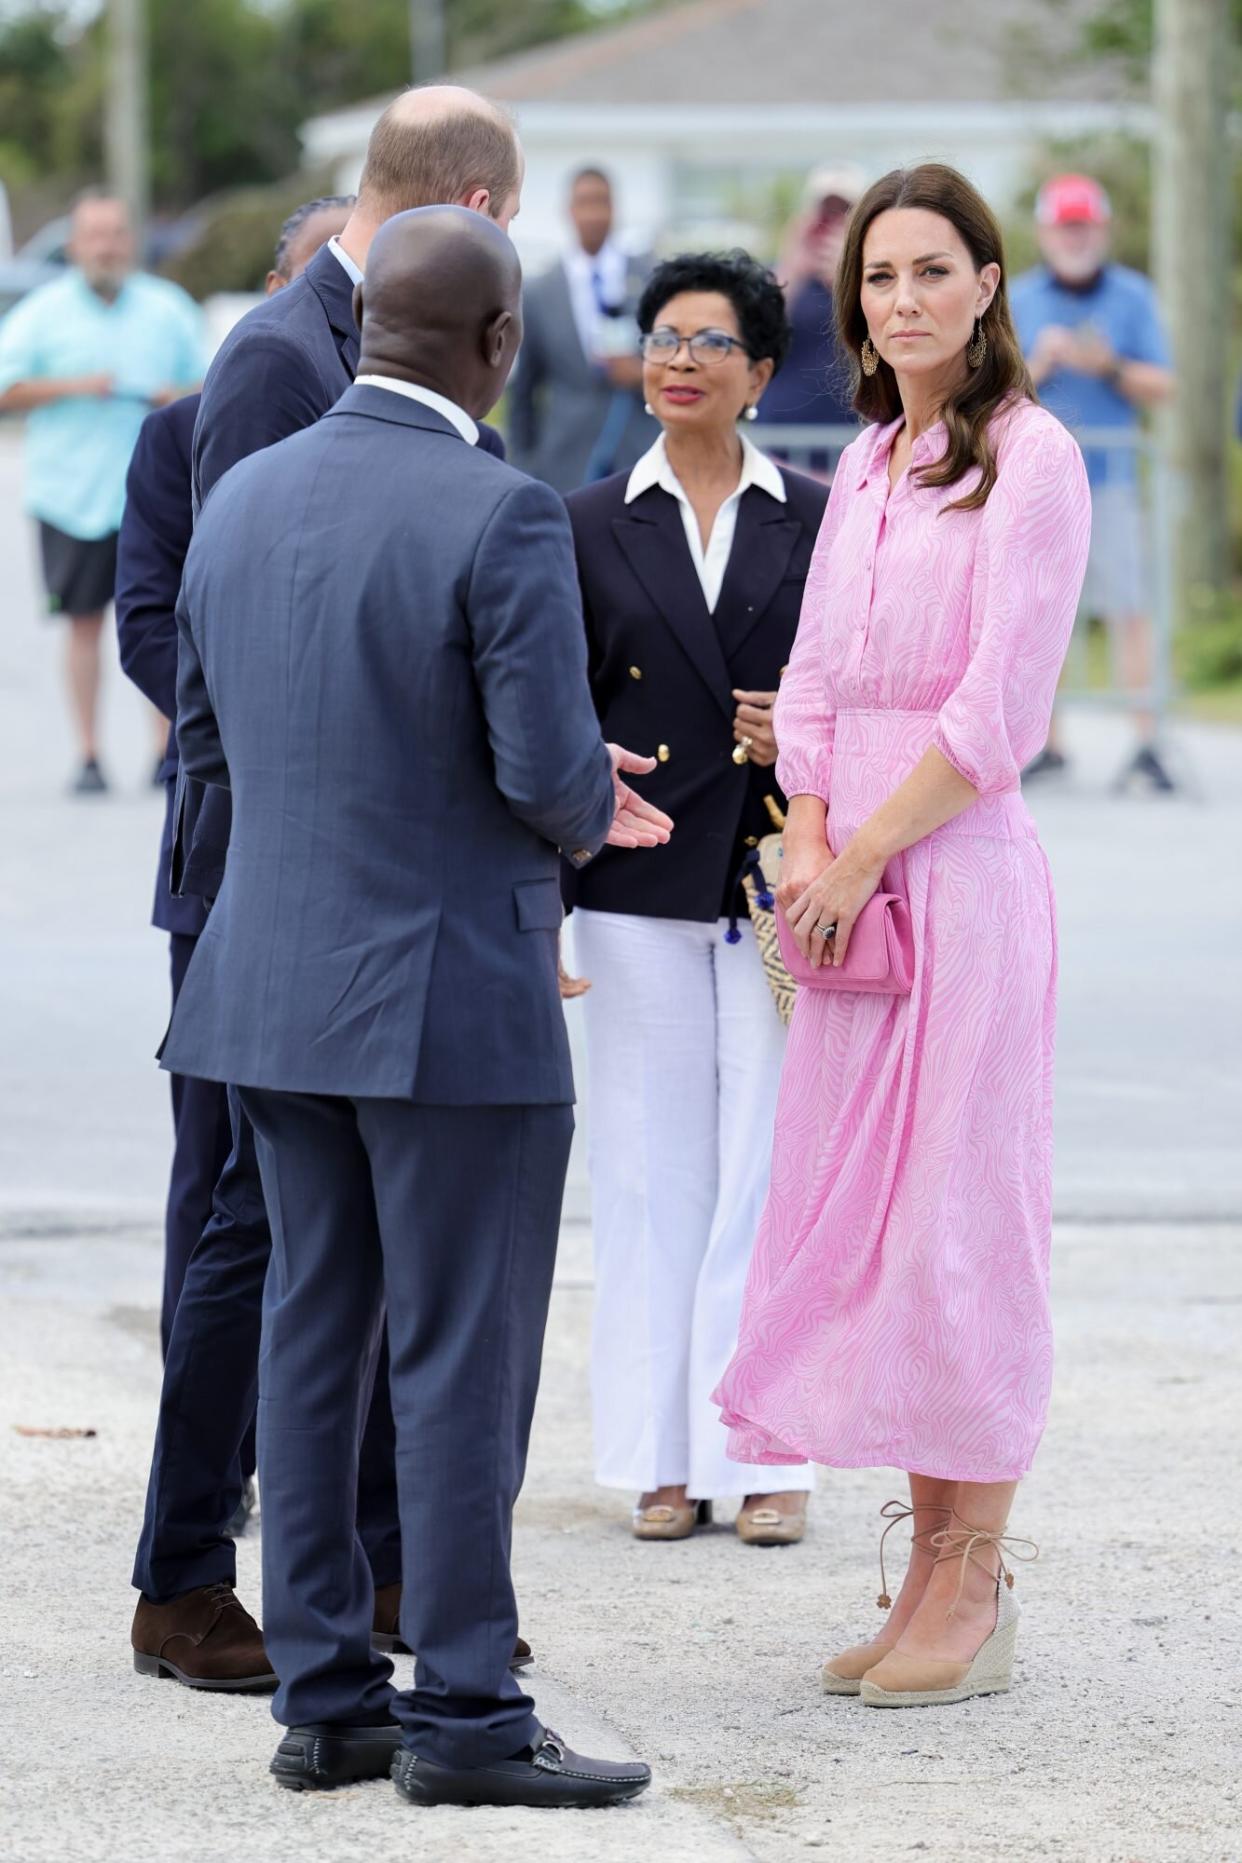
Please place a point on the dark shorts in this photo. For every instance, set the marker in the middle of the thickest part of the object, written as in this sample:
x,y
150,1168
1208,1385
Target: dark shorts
x,y
79,573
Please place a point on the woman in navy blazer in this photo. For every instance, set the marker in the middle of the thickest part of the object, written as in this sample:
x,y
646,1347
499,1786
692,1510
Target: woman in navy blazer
x,y
692,569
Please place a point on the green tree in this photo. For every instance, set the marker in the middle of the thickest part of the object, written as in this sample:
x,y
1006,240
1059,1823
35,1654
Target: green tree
x,y
33,64
1125,29
232,80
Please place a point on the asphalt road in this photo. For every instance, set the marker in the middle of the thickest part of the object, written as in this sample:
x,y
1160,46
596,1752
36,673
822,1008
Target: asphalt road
x,y
1149,1087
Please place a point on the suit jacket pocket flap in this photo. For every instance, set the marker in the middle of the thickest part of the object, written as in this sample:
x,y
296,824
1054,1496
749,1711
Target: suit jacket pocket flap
x,y
538,905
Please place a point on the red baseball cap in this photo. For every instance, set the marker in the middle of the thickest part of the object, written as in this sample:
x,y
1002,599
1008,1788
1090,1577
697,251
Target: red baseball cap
x,y
1069,198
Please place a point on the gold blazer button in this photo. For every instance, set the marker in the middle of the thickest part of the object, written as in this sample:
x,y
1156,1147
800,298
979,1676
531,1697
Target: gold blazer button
x,y
663,753
636,672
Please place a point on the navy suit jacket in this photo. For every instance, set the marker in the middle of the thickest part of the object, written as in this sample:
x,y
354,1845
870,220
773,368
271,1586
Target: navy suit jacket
x,y
383,658
279,370
663,671
150,556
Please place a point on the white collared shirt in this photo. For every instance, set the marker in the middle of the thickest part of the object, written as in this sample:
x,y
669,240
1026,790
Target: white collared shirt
x,y
430,399
710,564
581,269
343,259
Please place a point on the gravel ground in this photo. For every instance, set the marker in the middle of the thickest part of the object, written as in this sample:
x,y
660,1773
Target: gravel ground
x,y
1118,1744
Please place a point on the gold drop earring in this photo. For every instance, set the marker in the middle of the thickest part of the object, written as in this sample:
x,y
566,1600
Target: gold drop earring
x,y
869,357
977,348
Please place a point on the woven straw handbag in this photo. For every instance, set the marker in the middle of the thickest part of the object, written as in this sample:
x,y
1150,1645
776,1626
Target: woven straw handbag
x,y
760,877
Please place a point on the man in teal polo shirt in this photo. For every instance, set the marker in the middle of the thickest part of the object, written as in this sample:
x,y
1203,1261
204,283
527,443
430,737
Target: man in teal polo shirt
x,y
86,358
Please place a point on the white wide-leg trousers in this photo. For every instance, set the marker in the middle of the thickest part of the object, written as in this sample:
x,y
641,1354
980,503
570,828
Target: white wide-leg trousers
x,y
684,1050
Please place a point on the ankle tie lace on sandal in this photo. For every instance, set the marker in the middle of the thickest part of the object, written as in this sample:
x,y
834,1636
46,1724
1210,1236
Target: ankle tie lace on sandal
x,y
894,1512
962,1541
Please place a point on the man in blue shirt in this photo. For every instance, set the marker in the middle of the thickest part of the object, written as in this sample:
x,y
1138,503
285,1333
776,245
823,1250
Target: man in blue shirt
x,y
1092,336
86,358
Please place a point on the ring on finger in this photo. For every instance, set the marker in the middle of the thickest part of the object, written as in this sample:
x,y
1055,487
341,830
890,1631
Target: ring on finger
x,y
827,931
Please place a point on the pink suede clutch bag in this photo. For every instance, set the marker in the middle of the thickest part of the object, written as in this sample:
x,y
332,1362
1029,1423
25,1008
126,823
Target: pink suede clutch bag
x,y
880,957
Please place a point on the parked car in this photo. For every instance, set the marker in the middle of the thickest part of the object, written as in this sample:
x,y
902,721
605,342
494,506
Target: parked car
x,y
36,263
45,253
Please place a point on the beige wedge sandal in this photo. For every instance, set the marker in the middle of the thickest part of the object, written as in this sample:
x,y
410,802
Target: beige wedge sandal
x,y
901,1681
843,1674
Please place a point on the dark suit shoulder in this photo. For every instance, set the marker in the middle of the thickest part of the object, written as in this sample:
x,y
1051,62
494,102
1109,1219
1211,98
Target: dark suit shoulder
x,y
166,436
598,504
497,488
807,497
285,310
263,478
270,330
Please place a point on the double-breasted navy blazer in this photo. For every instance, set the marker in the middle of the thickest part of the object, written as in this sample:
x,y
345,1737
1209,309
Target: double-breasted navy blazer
x,y
663,669
278,371
150,556
383,658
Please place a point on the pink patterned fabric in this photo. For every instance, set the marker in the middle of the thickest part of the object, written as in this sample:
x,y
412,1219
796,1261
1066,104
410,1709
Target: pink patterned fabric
x,y
896,1311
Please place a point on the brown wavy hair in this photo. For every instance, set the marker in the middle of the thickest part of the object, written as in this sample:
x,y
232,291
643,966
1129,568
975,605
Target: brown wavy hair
x,y
1003,377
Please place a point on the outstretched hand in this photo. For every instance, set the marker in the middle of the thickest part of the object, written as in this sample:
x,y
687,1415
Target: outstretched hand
x,y
636,823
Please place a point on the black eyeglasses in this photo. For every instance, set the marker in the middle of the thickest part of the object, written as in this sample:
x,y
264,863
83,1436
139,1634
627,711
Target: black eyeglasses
x,y
709,347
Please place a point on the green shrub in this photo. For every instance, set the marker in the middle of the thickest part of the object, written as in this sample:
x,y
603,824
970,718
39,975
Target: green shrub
x,y
1209,647
237,237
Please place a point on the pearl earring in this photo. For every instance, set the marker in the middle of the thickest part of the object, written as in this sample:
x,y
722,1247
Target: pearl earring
x,y
647,408
752,412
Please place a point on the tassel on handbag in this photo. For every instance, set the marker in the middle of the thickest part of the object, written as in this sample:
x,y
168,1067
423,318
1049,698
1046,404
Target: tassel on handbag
x,y
759,875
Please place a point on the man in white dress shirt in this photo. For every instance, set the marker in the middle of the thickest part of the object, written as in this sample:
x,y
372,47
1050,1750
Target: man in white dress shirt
x,y
575,404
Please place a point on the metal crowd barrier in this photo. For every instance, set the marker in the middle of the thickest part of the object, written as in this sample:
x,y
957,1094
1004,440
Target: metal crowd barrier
x,y
1116,459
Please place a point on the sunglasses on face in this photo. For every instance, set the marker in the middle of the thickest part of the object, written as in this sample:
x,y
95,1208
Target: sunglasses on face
x,y
709,347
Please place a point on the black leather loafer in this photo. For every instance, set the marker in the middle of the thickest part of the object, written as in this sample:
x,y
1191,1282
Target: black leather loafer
x,y
326,1753
549,1774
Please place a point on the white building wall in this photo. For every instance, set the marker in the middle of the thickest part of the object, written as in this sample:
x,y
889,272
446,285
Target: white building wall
x,y
650,152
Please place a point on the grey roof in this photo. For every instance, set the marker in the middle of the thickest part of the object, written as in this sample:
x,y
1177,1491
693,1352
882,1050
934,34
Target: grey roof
x,y
821,52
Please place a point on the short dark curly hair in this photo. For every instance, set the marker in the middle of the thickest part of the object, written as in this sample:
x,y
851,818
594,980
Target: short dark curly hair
x,y
297,220
752,289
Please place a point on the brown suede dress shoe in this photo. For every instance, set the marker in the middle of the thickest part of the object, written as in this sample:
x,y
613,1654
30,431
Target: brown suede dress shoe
x,y
205,1639
386,1629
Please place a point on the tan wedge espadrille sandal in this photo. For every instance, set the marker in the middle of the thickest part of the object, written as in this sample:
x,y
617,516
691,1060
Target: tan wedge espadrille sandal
x,y
843,1674
901,1681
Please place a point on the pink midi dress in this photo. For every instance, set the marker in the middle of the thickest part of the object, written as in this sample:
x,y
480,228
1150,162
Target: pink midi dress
x,y
896,1311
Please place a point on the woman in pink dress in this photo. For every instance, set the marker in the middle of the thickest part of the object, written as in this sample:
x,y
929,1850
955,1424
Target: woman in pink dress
x,y
896,1311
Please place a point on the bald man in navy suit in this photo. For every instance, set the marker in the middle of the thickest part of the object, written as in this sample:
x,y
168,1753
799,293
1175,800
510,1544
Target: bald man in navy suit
x,y
383,659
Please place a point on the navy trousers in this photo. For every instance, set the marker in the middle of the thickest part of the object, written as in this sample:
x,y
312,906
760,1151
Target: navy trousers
x,y
447,1216
201,1143
207,1403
